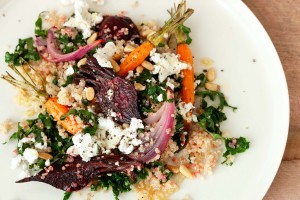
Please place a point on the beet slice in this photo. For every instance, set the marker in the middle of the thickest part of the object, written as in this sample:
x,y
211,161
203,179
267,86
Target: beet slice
x,y
75,174
117,28
114,94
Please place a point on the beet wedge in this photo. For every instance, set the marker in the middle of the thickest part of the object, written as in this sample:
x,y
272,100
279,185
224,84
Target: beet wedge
x,y
75,174
114,94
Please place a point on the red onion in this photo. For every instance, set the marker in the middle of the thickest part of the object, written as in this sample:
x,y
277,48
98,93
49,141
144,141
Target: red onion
x,y
52,54
164,119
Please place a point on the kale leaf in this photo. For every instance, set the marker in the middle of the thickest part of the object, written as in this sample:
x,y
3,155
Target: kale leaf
x,y
213,94
24,52
211,118
69,44
67,195
186,30
38,28
235,146
87,117
119,182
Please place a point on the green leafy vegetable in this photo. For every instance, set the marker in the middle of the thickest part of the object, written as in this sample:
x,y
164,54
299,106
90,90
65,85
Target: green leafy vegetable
x,y
211,118
67,195
70,78
87,117
235,146
152,91
179,127
38,28
24,52
213,94
43,126
202,78
142,174
69,44
119,182
186,30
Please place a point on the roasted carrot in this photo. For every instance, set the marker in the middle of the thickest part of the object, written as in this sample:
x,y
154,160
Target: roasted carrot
x,y
188,88
135,58
57,110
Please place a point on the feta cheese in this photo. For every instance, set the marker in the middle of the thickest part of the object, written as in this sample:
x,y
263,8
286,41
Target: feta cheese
x,y
184,109
83,19
160,98
69,71
112,136
85,145
103,55
169,84
30,155
166,64
130,74
47,163
26,140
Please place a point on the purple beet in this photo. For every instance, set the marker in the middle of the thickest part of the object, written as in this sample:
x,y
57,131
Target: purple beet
x,y
113,92
75,174
117,28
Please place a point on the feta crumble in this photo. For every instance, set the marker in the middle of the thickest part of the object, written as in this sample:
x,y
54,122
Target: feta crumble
x,y
30,155
85,145
184,109
103,55
166,64
111,135
160,98
69,71
83,19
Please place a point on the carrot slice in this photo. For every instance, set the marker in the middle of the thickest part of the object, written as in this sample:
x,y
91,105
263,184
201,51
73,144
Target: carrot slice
x,y
135,58
57,110
188,89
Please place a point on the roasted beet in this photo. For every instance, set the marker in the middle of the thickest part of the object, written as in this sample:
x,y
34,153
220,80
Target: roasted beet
x,y
116,96
117,28
74,174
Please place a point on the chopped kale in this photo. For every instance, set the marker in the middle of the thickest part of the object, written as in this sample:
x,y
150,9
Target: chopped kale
x,y
42,126
142,174
69,44
38,28
87,117
179,127
202,78
211,118
24,52
213,94
151,92
119,182
67,195
235,146
70,78
186,30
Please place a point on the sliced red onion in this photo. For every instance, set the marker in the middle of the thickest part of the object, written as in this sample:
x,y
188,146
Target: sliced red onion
x,y
165,118
52,54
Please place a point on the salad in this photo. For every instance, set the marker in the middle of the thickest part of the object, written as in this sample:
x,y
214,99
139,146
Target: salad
x,y
116,104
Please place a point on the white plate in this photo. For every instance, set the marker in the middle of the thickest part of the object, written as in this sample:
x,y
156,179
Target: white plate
x,y
253,80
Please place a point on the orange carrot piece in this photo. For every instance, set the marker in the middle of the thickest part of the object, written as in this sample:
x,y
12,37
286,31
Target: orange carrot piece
x,y
188,89
57,110
135,58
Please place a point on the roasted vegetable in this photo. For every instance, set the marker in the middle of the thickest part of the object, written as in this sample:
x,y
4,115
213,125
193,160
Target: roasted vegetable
x,y
114,94
74,174
117,28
